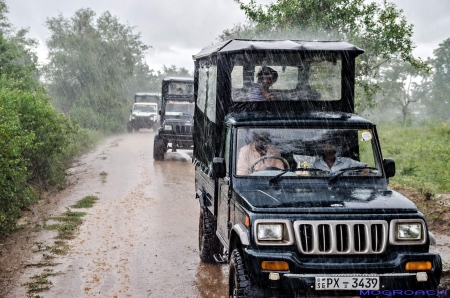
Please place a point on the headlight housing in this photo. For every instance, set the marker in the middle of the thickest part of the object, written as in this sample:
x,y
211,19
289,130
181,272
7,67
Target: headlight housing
x,y
407,231
273,232
270,232
167,127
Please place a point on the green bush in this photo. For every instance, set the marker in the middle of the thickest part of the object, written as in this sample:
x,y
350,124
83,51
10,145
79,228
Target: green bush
x,y
34,139
421,154
15,193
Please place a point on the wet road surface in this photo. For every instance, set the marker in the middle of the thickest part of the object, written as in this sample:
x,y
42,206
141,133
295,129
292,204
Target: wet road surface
x,y
141,237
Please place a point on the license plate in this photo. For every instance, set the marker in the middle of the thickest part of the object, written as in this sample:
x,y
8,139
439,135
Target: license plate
x,y
347,283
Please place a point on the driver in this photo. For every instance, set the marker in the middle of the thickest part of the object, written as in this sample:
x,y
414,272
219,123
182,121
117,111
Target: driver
x,y
260,146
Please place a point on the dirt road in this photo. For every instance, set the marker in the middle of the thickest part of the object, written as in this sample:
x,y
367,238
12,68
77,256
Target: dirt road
x,y
140,238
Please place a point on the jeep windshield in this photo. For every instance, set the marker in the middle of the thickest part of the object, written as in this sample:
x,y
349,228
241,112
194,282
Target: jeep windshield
x,y
181,88
286,77
306,152
146,98
179,108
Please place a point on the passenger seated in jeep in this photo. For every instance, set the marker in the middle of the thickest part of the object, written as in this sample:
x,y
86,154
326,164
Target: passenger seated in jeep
x,y
256,155
328,160
260,90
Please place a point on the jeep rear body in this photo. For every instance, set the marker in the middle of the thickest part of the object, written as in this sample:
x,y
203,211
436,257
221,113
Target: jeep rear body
x,y
176,116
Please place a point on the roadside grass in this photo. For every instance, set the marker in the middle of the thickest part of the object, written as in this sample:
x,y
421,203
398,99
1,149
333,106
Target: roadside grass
x,y
67,225
103,176
86,202
40,283
421,154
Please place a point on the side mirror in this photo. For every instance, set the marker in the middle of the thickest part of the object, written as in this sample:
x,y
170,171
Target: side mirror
x,y
389,167
159,112
131,111
218,167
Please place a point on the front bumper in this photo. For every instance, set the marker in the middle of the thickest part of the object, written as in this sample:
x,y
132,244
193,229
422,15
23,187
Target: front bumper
x,y
143,122
302,274
182,140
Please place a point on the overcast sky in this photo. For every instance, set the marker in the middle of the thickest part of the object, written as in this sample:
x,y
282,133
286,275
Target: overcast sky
x,y
178,29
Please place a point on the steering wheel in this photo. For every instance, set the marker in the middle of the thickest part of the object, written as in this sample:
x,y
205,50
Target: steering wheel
x,y
285,162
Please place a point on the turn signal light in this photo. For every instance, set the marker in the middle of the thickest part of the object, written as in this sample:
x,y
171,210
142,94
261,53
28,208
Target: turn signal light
x,y
275,265
418,266
247,221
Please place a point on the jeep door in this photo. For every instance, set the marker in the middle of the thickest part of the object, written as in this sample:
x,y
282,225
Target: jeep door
x,y
223,212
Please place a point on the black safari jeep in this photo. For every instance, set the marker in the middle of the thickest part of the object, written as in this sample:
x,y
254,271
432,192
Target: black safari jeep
x,y
144,113
176,116
292,186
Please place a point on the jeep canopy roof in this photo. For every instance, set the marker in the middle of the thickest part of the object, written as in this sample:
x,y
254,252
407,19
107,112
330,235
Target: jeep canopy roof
x,y
178,87
276,45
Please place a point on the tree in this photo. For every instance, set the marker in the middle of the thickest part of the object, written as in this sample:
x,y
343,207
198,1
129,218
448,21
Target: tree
x,y
90,62
380,29
396,95
435,90
18,61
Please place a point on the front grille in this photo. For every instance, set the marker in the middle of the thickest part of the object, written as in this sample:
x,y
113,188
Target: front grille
x,y
144,119
183,129
341,237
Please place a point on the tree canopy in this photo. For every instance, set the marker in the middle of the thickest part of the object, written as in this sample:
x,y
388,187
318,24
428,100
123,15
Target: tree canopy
x,y
435,89
90,61
380,29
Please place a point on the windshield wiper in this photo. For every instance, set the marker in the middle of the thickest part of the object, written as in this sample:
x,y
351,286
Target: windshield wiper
x,y
340,172
278,177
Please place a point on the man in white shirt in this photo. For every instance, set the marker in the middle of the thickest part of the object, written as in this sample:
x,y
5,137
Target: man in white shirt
x,y
328,161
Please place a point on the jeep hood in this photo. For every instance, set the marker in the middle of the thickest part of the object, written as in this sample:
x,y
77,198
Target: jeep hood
x,y
310,200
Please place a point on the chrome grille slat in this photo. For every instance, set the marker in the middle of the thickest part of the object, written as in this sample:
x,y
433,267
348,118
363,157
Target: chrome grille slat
x,y
341,237
182,129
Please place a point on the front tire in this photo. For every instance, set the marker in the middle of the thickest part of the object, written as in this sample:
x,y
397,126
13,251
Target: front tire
x,y
158,148
208,242
129,127
239,284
